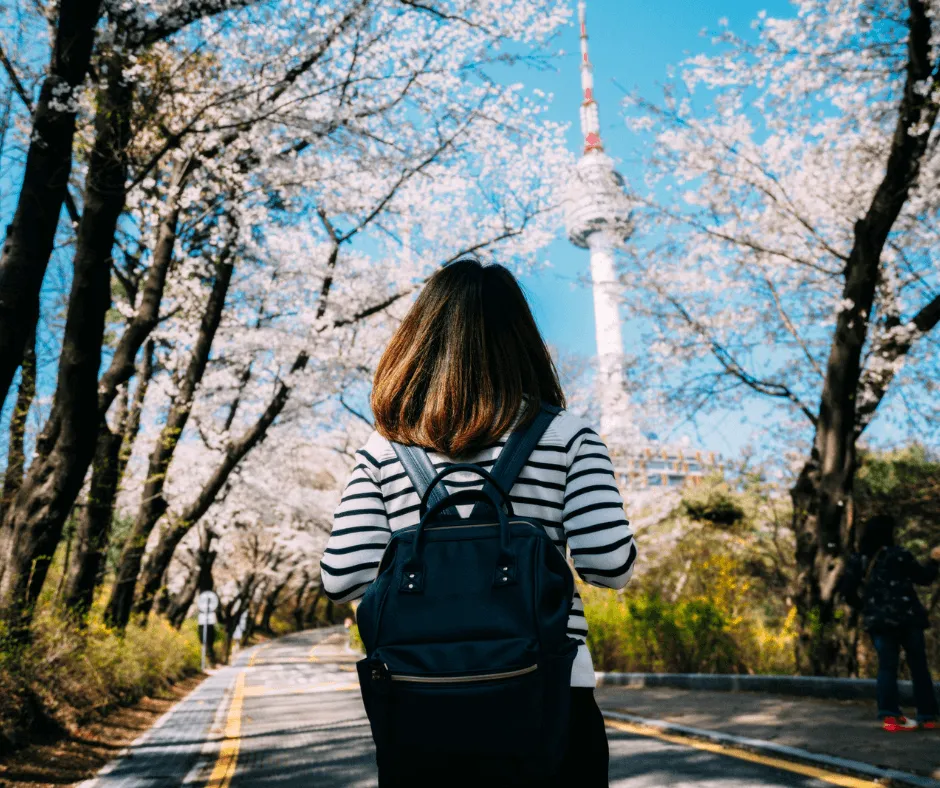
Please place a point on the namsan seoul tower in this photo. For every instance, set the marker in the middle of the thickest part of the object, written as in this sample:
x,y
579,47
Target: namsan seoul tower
x,y
598,216
598,219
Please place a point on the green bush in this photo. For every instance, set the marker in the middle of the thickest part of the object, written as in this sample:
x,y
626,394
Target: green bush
x,y
68,674
355,640
713,502
646,633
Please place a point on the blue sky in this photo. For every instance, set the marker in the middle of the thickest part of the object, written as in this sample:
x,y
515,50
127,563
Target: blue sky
x,y
632,45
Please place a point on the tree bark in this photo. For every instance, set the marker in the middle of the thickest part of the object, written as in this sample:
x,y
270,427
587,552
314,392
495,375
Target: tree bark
x,y
16,457
153,505
311,619
31,235
298,612
200,579
270,603
822,495
67,443
94,527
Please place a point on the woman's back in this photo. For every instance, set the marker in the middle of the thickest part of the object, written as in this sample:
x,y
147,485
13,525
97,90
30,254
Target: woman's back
x,y
568,483
465,367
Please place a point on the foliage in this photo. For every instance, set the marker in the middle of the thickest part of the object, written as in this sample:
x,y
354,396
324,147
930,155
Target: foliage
x,y
711,593
68,674
713,502
730,587
904,483
355,641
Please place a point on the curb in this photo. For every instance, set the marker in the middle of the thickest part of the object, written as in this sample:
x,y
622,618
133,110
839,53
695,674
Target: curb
x,y
844,765
801,686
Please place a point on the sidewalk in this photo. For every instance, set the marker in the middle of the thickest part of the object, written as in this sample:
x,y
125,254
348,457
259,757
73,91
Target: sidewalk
x,y
841,729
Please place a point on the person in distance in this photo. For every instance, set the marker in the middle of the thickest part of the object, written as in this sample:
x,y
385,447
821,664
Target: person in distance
x,y
879,580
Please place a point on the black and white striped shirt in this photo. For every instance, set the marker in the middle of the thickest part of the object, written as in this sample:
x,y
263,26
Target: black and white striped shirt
x,y
568,483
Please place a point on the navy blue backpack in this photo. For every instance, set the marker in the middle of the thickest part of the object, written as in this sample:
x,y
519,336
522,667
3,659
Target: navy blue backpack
x,y
468,657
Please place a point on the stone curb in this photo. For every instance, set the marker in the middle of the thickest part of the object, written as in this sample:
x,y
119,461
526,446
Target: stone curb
x,y
801,686
843,765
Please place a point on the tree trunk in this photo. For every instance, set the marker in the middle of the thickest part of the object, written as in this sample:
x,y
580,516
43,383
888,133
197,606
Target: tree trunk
x,y
94,525
31,234
822,495
94,528
67,443
298,612
200,579
16,456
311,619
172,534
270,603
153,505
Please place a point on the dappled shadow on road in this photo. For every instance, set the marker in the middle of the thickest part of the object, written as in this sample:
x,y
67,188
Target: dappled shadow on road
x,y
318,756
641,762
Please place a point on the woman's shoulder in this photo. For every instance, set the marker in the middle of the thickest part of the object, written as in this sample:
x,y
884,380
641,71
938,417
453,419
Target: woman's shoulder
x,y
376,451
567,429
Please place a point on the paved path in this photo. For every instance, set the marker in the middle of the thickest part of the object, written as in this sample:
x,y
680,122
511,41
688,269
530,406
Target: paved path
x,y
841,729
289,713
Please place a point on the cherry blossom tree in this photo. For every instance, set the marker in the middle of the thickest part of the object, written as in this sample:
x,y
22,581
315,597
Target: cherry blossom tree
x,y
789,248
348,131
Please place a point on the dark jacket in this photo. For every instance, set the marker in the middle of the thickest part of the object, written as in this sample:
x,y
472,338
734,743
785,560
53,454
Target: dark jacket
x,y
886,594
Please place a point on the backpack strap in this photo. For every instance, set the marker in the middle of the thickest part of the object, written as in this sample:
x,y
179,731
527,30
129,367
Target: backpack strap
x,y
515,453
421,473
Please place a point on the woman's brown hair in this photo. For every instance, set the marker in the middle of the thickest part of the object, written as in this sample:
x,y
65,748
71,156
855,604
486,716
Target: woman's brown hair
x,y
466,360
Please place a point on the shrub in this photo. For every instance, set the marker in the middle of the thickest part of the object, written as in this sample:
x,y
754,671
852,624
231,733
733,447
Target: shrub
x,y
715,627
69,674
713,502
648,634
355,640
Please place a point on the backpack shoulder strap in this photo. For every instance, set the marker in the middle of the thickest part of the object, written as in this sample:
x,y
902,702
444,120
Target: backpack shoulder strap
x,y
421,473
515,453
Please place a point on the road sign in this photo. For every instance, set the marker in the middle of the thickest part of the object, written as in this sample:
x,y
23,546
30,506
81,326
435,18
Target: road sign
x,y
207,602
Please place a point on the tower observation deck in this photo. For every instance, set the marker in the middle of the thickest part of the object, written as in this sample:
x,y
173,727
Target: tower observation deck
x,y
599,218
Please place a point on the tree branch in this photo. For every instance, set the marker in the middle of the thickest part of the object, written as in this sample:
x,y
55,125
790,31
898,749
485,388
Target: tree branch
x,y
886,359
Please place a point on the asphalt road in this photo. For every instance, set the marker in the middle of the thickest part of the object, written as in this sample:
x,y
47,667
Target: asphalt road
x,y
289,713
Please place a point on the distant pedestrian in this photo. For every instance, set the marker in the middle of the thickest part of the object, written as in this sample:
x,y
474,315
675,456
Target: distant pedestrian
x,y
466,375
879,580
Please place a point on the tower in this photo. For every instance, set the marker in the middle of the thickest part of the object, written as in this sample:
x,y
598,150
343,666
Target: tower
x,y
598,219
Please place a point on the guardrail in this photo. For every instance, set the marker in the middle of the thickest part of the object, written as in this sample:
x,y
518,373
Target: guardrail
x,y
801,686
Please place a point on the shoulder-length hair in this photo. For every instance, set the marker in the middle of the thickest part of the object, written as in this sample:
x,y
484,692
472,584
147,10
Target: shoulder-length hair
x,y
467,360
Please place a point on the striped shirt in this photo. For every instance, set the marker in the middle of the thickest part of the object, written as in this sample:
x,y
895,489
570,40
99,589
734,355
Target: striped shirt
x,y
568,483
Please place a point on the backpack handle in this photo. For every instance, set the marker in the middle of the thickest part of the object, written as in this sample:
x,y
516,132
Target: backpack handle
x,y
465,466
413,570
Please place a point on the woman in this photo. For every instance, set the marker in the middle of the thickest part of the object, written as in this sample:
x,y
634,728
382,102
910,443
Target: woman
x,y
880,580
466,366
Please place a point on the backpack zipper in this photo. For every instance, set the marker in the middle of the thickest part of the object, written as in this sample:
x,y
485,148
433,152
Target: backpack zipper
x,y
507,674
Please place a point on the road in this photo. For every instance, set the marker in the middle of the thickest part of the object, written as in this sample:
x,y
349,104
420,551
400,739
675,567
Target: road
x,y
289,711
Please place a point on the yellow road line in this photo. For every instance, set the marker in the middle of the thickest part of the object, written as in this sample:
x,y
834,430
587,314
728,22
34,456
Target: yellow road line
x,y
833,778
327,686
224,769
254,657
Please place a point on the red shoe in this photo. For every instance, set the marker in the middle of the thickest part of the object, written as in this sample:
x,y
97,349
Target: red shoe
x,y
929,725
899,723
